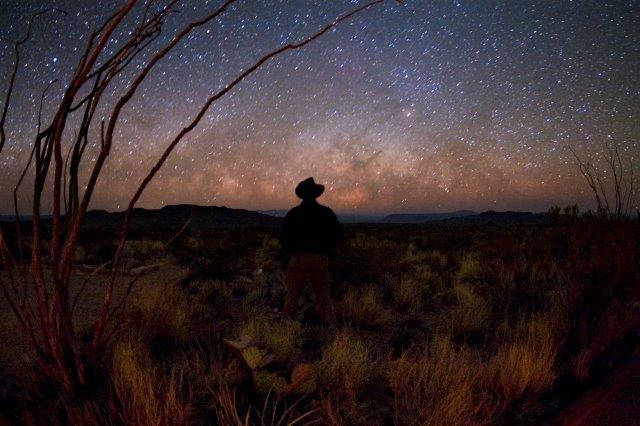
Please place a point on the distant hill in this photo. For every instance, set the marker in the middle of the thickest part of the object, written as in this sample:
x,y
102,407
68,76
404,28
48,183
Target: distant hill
x,y
343,218
496,218
274,213
355,218
469,218
425,217
173,217
210,217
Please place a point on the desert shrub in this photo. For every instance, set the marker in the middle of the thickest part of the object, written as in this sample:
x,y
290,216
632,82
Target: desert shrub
x,y
142,249
363,308
534,284
526,364
273,412
214,293
429,280
241,285
137,391
247,293
347,373
437,260
409,294
516,287
346,365
144,394
267,255
331,413
99,251
415,290
470,269
470,317
439,385
218,254
366,258
227,410
283,339
256,296
163,313
209,372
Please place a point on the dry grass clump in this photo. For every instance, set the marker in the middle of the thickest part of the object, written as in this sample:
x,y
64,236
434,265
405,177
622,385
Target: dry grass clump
x,y
273,412
144,394
163,312
216,295
413,291
470,269
227,410
283,339
525,365
437,260
365,258
265,255
471,314
346,375
439,385
409,294
210,366
148,391
363,308
346,365
444,384
143,248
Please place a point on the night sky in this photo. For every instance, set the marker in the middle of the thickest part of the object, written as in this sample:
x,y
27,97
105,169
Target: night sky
x,y
427,106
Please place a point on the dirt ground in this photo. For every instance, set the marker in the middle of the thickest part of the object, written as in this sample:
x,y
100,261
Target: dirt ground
x,y
13,347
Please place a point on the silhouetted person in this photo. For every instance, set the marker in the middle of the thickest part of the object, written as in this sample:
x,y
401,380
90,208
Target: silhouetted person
x,y
309,232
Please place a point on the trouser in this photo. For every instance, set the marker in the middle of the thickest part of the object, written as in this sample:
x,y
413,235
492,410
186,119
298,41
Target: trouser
x,y
315,267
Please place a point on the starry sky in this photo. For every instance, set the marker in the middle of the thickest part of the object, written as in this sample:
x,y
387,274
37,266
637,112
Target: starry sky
x,y
423,107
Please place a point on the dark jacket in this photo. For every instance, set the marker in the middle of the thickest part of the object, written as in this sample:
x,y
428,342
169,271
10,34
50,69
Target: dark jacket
x,y
310,228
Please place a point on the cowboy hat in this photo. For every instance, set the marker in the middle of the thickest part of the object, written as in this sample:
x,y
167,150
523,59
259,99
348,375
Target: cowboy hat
x,y
308,188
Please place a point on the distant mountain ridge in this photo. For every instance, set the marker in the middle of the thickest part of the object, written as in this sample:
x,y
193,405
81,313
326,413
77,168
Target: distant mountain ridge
x,y
343,218
210,217
496,218
175,216
425,217
454,218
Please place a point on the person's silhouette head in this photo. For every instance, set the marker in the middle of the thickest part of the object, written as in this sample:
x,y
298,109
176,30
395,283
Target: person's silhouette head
x,y
308,189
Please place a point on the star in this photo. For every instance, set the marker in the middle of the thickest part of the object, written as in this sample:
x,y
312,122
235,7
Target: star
x,y
420,107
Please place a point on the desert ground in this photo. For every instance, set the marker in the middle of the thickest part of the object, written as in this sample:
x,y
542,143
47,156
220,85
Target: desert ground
x,y
436,325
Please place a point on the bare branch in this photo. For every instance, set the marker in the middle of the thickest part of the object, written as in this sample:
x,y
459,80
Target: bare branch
x,y
17,187
621,188
85,282
101,322
45,312
14,72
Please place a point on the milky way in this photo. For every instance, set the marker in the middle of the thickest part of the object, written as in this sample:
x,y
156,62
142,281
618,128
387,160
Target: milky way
x,y
426,106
